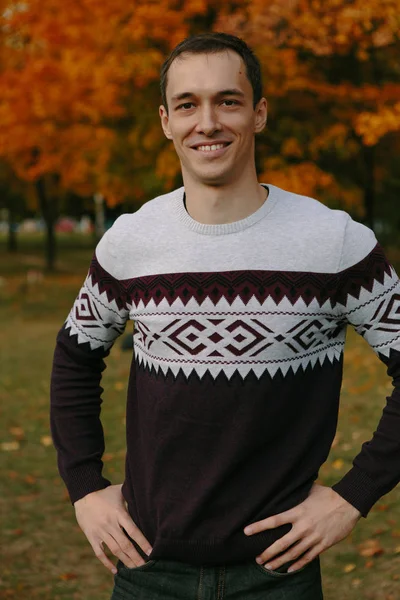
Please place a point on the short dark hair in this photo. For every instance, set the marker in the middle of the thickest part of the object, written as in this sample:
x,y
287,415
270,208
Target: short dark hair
x,y
212,43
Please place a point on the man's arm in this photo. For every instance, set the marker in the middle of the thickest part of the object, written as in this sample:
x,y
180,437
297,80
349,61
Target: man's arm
x,y
368,297
375,314
97,318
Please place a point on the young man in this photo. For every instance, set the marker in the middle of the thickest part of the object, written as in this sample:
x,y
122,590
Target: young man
x,y
240,293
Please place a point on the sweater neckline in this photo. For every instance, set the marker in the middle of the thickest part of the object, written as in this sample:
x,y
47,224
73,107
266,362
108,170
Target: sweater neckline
x,y
224,228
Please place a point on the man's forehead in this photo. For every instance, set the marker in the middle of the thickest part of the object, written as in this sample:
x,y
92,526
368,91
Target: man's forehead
x,y
196,70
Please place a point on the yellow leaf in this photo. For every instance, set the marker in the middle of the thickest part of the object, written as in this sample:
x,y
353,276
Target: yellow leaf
x,y
370,548
10,446
349,568
46,440
338,464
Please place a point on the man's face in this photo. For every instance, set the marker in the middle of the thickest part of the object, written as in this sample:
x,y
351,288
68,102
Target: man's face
x,y
210,101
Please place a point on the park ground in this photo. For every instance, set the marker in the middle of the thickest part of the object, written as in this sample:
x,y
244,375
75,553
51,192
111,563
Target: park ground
x,y
44,553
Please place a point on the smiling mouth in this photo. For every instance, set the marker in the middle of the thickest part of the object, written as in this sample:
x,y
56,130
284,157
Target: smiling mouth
x,y
212,147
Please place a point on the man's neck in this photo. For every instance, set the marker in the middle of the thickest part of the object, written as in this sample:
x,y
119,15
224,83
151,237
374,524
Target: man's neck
x,y
212,205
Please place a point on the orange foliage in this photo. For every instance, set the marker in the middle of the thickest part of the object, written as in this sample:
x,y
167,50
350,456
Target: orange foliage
x,y
282,29
70,73
308,179
341,58
79,93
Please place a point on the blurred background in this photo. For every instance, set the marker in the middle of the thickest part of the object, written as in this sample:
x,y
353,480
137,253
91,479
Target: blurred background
x,y
81,143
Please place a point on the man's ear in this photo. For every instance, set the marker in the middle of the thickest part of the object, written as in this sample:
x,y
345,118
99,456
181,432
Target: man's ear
x,y
165,122
261,115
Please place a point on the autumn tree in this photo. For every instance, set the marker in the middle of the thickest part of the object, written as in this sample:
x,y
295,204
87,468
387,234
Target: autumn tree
x,y
333,80
75,83
79,95
12,205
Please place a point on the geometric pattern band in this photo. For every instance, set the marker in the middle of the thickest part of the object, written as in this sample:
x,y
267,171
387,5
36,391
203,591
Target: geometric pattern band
x,y
246,341
100,312
241,322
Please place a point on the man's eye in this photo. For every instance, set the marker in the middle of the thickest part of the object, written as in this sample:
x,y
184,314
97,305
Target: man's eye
x,y
186,105
232,101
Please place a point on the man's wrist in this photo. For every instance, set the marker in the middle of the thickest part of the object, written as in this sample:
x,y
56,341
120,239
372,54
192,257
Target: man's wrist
x,y
352,510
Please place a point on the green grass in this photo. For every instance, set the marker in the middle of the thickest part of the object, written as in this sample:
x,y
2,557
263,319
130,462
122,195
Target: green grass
x,y
44,553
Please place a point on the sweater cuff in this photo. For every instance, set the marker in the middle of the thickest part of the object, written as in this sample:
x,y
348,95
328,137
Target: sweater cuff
x,y
83,480
357,488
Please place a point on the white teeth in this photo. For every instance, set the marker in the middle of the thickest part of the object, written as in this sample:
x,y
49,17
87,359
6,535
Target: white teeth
x,y
209,148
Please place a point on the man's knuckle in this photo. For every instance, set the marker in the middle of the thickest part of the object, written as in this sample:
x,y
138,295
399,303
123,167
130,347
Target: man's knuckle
x,y
316,538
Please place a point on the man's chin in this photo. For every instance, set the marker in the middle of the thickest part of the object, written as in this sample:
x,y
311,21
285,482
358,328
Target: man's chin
x,y
214,179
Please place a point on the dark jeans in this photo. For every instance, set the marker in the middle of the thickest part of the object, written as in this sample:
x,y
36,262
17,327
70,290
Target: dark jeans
x,y
173,580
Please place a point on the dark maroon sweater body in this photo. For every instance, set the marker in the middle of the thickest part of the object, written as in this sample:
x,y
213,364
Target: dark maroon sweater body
x,y
236,370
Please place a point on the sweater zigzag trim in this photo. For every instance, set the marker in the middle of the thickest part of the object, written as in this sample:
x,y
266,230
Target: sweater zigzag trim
x,y
240,321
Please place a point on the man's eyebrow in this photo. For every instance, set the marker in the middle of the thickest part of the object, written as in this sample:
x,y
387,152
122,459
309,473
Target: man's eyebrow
x,y
230,92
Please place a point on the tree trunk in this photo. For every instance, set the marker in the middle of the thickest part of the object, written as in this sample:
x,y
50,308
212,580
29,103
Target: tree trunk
x,y
369,185
48,207
12,233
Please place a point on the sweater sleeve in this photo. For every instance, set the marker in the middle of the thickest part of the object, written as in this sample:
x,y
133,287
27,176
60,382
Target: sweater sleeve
x,y
98,316
368,296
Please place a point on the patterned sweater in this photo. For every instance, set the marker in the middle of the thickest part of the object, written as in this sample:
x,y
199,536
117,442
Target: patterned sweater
x,y
236,372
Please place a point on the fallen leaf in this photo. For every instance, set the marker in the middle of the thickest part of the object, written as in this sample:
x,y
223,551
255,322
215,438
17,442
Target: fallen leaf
x,y
382,507
349,568
379,531
338,464
346,447
46,440
397,550
119,386
369,564
370,548
68,576
356,582
10,446
17,432
30,479
395,576
107,456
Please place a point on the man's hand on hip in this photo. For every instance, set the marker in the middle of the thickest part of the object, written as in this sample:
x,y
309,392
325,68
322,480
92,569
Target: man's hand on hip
x,y
101,516
322,520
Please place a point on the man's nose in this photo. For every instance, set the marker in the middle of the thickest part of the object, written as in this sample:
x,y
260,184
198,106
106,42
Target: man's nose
x,y
208,121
